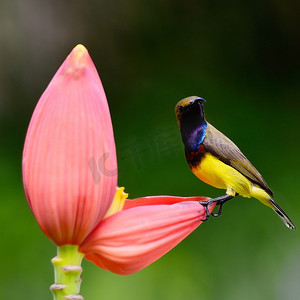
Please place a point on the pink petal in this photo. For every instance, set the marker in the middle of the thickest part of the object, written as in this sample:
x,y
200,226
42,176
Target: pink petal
x,y
132,239
69,158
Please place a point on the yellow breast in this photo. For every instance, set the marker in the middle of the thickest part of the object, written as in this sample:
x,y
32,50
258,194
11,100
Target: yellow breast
x,y
216,173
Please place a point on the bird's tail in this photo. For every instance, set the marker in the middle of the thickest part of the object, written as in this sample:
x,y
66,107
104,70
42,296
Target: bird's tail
x,y
286,220
266,199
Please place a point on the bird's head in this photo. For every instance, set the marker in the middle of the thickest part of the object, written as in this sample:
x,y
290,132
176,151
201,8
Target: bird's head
x,y
189,109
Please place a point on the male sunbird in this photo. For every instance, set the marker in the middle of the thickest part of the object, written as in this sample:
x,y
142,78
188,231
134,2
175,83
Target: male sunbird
x,y
217,161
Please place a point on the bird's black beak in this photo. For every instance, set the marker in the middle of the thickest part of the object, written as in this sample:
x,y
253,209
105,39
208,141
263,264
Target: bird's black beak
x,y
196,106
197,100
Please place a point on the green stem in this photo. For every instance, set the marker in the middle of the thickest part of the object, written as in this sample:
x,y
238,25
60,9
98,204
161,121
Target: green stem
x,y
67,269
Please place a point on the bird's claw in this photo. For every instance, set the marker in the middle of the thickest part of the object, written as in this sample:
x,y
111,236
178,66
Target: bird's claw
x,y
220,201
219,212
206,212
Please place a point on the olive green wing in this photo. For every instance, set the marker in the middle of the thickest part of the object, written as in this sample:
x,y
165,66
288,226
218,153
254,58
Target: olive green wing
x,y
223,148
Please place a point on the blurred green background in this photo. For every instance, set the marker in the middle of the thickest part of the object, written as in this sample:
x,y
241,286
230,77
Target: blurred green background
x,y
242,56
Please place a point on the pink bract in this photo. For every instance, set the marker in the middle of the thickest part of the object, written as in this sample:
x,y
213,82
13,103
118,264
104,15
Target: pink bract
x,y
130,240
69,159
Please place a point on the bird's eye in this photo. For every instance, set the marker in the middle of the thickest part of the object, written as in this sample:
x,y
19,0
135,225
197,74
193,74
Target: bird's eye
x,y
180,108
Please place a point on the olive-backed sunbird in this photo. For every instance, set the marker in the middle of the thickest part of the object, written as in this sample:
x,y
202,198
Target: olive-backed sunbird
x,y
217,161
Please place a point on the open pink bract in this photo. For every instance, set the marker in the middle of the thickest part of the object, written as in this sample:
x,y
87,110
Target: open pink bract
x,y
69,158
149,227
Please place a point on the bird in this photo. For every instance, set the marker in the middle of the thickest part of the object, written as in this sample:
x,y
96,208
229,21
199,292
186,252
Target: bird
x,y
217,161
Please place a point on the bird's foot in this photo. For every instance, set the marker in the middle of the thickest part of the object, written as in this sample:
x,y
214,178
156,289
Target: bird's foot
x,y
220,201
